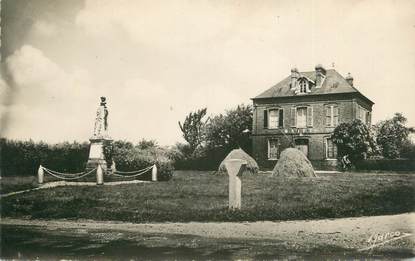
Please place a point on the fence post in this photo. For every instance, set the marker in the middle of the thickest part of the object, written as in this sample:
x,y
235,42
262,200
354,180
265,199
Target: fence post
x,y
100,178
235,168
154,173
40,175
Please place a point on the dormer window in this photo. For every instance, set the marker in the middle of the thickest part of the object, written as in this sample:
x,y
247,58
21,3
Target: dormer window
x,y
303,85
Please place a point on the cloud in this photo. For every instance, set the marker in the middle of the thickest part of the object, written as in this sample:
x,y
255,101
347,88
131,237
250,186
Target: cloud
x,y
158,60
177,22
45,97
44,28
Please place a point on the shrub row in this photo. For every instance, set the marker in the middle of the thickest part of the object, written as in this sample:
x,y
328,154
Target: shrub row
x,y
209,160
386,164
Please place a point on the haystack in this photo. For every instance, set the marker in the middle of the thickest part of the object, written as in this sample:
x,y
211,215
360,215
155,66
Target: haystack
x,y
293,163
251,166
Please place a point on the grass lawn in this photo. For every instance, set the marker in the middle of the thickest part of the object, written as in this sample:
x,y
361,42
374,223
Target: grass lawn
x,y
201,196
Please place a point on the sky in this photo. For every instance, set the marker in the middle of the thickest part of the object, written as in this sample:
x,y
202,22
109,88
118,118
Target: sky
x,y
156,61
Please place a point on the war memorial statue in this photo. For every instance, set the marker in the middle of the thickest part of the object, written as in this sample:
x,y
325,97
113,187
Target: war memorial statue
x,y
100,136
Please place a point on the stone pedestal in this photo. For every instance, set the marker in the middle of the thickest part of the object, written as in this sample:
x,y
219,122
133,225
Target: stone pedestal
x,y
235,168
96,154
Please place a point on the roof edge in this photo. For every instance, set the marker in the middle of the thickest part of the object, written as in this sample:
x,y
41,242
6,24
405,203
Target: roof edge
x,y
316,95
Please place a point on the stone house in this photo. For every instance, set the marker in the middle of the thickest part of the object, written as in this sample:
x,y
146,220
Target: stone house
x,y
303,110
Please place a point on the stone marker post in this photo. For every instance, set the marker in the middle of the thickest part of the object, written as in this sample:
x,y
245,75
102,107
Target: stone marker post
x,y
40,175
235,168
154,173
100,177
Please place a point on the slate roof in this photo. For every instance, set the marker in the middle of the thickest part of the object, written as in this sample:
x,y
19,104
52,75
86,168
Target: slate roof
x,y
334,83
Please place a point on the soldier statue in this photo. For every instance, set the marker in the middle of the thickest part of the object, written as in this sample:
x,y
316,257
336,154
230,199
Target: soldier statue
x,y
99,138
101,121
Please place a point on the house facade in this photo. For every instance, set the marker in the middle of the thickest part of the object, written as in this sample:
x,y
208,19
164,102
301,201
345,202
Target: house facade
x,y
302,111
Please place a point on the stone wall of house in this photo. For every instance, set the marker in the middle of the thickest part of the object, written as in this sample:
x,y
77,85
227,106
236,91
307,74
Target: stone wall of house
x,y
287,134
316,151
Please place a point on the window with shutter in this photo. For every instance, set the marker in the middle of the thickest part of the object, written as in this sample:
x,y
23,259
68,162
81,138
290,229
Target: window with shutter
x,y
293,118
335,115
332,115
301,117
281,118
309,116
265,119
328,116
273,118
331,149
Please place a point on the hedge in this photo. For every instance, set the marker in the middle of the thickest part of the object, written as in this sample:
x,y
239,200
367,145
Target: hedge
x,y
22,158
386,164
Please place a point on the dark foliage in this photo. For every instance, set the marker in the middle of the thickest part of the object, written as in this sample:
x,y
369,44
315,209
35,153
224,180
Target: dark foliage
x,y
386,165
230,130
392,134
221,134
22,158
354,139
135,158
108,152
408,150
192,128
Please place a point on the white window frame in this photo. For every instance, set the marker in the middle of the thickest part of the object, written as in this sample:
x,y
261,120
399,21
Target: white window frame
x,y
332,123
326,143
296,115
269,118
269,148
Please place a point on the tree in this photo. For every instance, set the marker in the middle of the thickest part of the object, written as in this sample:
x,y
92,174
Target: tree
x,y
354,139
392,135
192,128
147,144
231,130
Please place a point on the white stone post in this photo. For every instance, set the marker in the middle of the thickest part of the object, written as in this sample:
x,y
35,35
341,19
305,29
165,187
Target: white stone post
x,y
40,175
154,173
100,176
235,168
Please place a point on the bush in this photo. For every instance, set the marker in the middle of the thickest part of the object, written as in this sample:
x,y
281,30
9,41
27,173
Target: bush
x,y
131,159
408,150
354,139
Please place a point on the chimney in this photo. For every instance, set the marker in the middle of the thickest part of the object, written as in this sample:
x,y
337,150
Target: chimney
x,y
349,79
320,75
294,77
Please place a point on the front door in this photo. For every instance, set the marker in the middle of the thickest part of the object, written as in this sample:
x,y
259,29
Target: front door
x,y
302,145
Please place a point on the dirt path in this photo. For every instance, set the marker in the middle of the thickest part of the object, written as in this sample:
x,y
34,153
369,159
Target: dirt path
x,y
347,233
